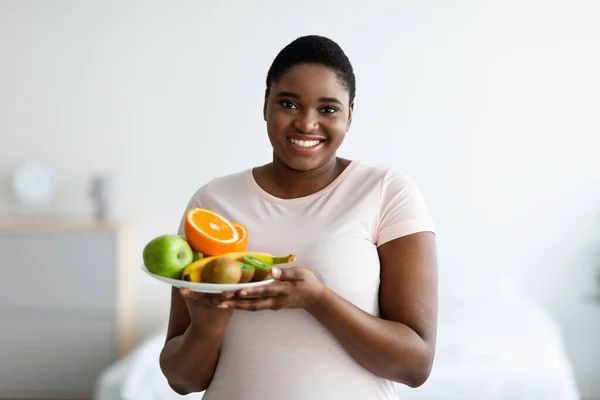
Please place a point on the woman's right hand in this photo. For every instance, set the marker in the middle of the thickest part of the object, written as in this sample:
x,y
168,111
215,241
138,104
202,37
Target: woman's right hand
x,y
206,317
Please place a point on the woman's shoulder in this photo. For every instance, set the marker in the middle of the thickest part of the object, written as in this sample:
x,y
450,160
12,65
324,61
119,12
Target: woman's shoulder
x,y
382,174
393,184
402,208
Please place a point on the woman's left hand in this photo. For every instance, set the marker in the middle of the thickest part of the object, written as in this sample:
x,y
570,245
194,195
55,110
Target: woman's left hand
x,y
294,287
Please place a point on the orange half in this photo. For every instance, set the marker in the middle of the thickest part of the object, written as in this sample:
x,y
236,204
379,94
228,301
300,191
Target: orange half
x,y
210,233
242,242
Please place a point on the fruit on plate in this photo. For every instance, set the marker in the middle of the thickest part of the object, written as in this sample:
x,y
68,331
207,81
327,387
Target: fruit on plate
x,y
167,255
222,270
197,254
242,242
212,234
247,272
197,267
213,250
261,268
192,272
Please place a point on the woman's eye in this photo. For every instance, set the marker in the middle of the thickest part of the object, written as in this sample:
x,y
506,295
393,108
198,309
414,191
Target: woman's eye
x,y
288,104
329,110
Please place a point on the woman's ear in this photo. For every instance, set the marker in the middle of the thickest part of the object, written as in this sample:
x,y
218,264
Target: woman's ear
x,y
350,112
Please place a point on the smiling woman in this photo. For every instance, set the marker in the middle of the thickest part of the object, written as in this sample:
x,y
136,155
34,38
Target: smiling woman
x,y
357,311
305,127
308,103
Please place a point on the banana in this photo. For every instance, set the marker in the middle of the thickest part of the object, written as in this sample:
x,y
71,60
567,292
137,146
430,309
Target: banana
x,y
193,271
268,258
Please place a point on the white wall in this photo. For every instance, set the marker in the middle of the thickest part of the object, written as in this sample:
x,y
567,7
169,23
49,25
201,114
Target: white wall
x,y
491,106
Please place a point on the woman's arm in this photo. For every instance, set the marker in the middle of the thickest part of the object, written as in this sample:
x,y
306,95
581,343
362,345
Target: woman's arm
x,y
400,345
194,335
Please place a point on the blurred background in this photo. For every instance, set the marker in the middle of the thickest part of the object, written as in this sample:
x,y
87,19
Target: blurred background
x,y
112,114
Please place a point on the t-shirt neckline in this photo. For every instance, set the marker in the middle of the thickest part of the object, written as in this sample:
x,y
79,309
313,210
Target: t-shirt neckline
x,y
249,177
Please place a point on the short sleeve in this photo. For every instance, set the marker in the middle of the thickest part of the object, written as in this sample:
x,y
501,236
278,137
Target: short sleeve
x,y
195,201
402,208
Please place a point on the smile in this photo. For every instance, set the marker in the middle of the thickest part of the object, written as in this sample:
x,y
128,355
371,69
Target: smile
x,y
305,147
306,143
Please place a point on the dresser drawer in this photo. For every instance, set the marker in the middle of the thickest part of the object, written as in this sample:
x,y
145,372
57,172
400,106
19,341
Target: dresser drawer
x,y
54,355
59,270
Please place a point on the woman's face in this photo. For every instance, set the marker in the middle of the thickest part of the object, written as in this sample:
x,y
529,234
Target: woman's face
x,y
307,115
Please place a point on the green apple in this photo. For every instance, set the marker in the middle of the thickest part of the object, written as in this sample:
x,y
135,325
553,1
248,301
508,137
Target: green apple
x,y
167,255
197,254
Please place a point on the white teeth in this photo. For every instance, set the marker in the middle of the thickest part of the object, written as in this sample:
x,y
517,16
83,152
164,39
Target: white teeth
x,y
305,143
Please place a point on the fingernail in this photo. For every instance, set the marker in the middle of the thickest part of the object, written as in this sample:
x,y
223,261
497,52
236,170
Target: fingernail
x,y
223,305
243,293
184,291
275,272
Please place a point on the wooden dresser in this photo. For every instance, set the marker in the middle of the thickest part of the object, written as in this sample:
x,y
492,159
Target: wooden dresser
x,y
66,306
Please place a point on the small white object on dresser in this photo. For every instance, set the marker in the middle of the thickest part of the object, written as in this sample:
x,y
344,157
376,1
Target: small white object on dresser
x,y
66,305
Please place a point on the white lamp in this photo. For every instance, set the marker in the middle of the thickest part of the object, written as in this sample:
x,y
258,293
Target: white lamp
x,y
34,184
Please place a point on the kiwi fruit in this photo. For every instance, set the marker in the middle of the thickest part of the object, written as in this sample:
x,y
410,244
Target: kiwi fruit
x,y
247,272
222,270
261,269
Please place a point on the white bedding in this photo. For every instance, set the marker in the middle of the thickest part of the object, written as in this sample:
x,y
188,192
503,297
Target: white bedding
x,y
497,348
489,347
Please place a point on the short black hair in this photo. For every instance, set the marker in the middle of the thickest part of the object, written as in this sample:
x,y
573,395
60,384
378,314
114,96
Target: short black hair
x,y
316,50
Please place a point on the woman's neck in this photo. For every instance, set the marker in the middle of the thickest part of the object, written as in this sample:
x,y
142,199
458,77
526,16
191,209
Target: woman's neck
x,y
285,182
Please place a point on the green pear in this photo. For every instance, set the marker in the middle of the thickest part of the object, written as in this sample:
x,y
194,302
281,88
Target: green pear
x,y
167,255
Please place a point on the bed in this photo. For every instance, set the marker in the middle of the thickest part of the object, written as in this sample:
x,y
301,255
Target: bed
x,y
490,347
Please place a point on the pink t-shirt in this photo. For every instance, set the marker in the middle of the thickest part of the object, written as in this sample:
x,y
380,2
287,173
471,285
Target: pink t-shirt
x,y
287,354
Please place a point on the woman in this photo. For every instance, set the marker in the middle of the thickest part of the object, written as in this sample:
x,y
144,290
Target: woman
x,y
357,312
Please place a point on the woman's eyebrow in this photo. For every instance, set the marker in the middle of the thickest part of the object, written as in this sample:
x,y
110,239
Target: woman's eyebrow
x,y
330,100
321,99
288,94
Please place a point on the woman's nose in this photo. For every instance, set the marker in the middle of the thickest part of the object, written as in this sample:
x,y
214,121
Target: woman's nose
x,y
307,122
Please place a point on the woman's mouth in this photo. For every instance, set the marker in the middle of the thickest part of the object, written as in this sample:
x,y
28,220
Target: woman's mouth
x,y
304,147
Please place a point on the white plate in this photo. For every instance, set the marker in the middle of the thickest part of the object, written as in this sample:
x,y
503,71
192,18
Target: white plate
x,y
206,287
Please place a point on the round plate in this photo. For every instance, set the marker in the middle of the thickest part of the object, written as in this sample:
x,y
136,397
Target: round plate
x,y
207,287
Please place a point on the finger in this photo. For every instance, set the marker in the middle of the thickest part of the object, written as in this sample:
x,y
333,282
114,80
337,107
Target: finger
x,y
189,295
273,290
213,300
268,303
227,295
207,299
288,274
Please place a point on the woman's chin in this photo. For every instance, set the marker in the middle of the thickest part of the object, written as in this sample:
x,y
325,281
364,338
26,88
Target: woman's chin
x,y
302,163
